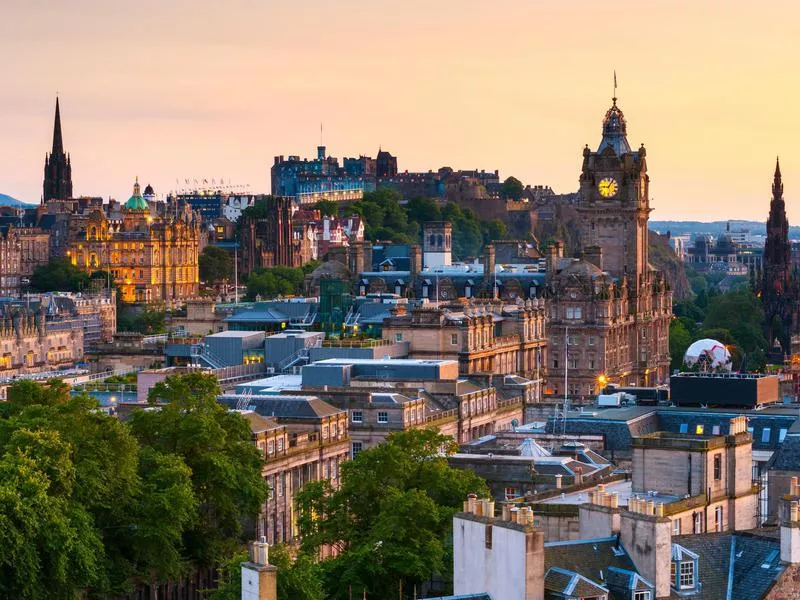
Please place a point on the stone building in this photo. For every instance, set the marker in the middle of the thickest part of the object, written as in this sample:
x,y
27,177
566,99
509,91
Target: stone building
x,y
302,439
29,344
34,249
780,287
10,261
266,238
57,167
490,337
609,311
153,257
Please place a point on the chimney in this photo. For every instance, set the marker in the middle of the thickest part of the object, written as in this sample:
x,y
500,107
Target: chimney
x,y
790,525
259,578
367,255
415,255
647,539
594,255
551,256
488,268
320,152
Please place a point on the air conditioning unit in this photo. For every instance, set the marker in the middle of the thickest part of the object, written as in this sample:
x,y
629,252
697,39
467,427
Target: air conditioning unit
x,y
271,370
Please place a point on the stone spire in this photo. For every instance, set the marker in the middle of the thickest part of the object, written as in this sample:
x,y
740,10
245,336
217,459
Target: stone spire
x,y
57,167
777,292
58,142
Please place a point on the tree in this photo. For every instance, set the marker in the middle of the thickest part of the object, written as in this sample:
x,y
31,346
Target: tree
x,y
493,230
741,314
215,264
391,516
423,210
275,281
216,445
327,208
512,189
59,275
149,321
679,341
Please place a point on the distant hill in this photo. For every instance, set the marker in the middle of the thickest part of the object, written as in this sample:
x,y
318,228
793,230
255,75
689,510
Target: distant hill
x,y
713,227
6,200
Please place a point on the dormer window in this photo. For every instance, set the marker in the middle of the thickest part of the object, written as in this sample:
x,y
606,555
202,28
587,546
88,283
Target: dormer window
x,y
683,568
687,574
641,595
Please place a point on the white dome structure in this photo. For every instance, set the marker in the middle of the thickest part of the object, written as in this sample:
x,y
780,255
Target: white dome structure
x,y
710,355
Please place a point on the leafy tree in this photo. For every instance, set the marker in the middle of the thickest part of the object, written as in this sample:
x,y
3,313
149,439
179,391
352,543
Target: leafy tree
x,y
512,189
275,281
741,314
149,321
493,230
679,341
423,210
391,516
215,444
59,275
215,264
299,578
327,208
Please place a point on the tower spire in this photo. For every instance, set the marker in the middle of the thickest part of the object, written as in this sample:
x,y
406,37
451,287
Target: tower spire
x,y
777,183
58,142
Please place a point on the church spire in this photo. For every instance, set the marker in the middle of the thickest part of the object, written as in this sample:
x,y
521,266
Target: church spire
x,y
777,184
58,142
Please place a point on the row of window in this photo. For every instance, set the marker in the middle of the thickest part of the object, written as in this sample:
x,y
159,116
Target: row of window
x,y
357,416
766,432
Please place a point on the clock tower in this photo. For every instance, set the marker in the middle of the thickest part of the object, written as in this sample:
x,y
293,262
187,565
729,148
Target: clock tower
x,y
613,203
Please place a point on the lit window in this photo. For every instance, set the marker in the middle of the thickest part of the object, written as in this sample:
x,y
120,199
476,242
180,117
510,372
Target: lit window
x,y
383,416
357,416
699,430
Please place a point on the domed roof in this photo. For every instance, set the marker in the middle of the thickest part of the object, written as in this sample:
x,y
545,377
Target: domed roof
x,y
711,354
148,190
614,131
137,202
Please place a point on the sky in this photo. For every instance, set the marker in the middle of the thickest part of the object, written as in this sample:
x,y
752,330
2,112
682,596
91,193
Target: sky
x,y
203,89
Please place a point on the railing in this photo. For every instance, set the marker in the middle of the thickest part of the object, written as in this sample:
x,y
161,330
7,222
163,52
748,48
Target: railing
x,y
155,339
506,340
351,343
289,361
445,414
202,352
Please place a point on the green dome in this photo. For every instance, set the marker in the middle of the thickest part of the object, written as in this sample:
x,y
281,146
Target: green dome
x,y
137,202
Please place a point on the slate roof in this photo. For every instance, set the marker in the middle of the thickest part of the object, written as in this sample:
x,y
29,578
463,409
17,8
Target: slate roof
x,y
587,558
733,565
283,407
570,584
787,456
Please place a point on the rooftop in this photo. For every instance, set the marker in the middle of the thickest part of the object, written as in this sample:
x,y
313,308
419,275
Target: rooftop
x,y
234,334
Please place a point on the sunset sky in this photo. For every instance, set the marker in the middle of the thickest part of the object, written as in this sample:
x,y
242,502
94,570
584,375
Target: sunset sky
x,y
202,89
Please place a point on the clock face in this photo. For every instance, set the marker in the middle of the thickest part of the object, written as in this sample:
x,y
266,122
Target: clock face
x,y
607,187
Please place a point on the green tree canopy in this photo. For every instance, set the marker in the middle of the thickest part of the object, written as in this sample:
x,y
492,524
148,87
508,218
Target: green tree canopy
x,y
679,340
59,275
390,517
741,314
216,446
327,208
215,264
275,281
512,189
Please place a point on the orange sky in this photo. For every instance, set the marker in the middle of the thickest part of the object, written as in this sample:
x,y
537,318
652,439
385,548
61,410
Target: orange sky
x,y
170,90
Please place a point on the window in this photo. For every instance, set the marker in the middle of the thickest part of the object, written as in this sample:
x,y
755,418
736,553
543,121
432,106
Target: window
x,y
574,312
781,435
270,447
280,444
454,339
591,363
687,574
573,363
488,537
684,428
383,416
591,340
698,522
765,435
676,527
333,430
555,363
672,577
357,416
715,430
356,448
699,429
718,519
398,337
325,432
645,595
510,493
